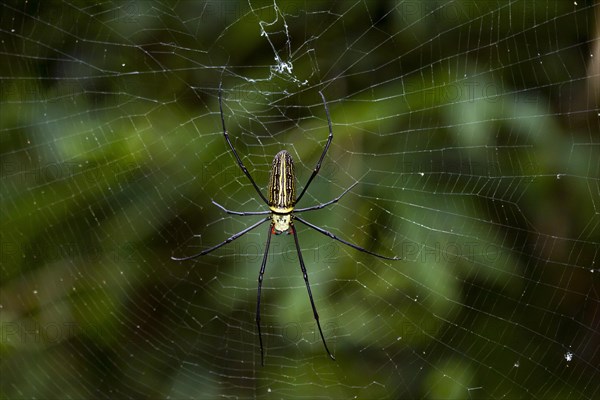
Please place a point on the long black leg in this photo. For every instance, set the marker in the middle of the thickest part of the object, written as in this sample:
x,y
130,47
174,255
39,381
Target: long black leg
x,y
237,157
319,206
318,166
241,212
260,281
312,303
228,240
331,235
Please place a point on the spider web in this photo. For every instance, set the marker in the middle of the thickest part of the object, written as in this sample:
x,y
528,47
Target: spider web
x,y
470,127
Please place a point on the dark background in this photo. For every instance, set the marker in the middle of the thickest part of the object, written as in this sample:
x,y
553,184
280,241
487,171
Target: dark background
x,y
471,127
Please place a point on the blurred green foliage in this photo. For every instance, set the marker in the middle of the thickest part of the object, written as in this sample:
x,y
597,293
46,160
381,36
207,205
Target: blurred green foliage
x,y
471,127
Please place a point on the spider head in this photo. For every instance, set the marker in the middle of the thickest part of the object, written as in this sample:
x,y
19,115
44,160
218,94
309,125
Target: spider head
x,y
281,223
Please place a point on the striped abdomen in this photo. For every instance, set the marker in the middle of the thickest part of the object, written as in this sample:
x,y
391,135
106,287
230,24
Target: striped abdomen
x,y
282,184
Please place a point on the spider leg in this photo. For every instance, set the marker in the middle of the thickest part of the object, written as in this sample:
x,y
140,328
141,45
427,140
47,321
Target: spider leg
x,y
312,303
237,157
331,235
241,212
318,166
260,281
228,240
319,206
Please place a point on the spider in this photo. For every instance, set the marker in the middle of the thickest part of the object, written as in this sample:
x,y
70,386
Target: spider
x,y
282,214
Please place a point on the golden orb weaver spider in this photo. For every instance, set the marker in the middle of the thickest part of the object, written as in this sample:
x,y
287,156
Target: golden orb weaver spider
x,y
281,202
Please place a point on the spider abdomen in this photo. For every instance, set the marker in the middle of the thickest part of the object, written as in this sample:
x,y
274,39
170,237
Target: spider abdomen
x,y
282,184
